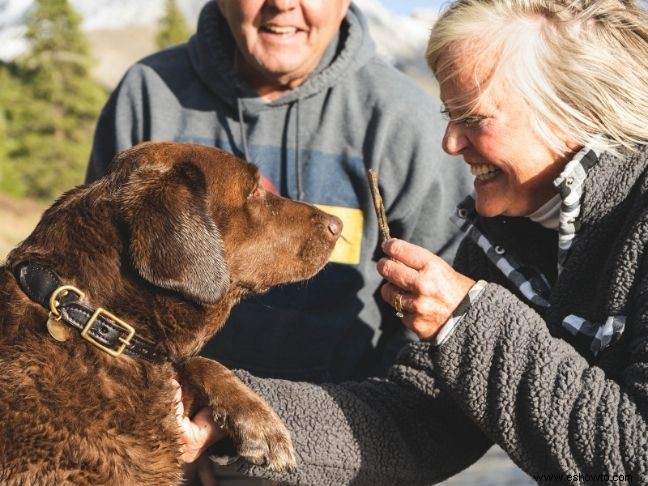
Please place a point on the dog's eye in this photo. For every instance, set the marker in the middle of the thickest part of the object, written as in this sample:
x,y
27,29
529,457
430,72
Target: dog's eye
x,y
258,193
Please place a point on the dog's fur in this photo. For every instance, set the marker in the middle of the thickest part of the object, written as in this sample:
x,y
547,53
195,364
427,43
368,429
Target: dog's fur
x,y
168,241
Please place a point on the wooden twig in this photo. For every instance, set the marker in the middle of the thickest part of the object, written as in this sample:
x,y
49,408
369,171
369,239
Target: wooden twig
x,y
378,205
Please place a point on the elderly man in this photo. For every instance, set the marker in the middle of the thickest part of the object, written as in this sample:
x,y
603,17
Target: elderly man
x,y
296,87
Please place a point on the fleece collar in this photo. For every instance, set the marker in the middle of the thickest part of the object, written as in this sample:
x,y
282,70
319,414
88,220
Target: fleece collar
x,y
592,184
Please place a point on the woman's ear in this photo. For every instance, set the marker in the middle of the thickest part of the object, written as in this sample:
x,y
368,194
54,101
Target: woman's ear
x,y
174,242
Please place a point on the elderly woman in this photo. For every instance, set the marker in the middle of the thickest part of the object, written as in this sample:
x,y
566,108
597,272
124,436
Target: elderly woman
x,y
537,338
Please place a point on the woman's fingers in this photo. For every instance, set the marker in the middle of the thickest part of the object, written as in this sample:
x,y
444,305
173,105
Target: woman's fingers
x,y
396,297
407,253
197,433
422,288
398,274
412,268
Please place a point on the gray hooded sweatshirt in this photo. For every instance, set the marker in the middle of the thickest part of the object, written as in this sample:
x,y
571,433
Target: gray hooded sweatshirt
x,y
314,144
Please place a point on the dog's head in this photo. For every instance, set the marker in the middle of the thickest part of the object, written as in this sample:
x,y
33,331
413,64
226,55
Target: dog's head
x,y
171,238
192,220
201,222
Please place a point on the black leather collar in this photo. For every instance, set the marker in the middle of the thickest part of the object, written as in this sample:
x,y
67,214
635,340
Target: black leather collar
x,y
99,327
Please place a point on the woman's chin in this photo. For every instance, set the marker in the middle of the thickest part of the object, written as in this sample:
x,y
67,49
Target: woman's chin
x,y
488,200
486,211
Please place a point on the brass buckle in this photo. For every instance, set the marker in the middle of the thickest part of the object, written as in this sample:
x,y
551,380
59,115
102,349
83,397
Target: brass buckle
x,y
85,334
62,291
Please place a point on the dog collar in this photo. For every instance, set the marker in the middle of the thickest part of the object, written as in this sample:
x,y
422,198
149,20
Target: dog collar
x,y
98,326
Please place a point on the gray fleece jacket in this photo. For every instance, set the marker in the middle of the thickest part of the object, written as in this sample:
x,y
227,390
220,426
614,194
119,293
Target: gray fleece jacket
x,y
315,144
557,376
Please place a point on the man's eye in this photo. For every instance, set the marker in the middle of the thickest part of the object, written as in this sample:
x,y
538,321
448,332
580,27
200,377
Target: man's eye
x,y
445,114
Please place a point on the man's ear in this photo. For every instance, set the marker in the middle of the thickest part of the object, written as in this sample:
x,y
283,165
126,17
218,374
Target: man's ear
x,y
174,242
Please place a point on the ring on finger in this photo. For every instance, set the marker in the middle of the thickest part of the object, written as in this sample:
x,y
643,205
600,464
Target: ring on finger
x,y
398,305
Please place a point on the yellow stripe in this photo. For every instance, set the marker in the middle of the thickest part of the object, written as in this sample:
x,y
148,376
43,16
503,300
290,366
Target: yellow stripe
x,y
347,249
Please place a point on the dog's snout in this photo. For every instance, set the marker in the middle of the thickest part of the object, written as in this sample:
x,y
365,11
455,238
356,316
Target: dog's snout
x,y
334,226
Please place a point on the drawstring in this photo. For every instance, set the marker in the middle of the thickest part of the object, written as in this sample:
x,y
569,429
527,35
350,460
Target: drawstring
x,y
239,106
298,171
298,161
246,153
244,142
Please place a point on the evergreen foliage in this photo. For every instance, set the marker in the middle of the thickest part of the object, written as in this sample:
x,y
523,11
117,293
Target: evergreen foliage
x,y
172,26
13,99
49,108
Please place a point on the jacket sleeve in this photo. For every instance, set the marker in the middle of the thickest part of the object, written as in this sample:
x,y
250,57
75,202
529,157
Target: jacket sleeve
x,y
539,399
400,430
121,123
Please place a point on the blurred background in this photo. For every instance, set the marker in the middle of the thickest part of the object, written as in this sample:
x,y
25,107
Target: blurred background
x,y
59,60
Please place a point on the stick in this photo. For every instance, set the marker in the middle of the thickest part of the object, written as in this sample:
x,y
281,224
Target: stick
x,y
378,205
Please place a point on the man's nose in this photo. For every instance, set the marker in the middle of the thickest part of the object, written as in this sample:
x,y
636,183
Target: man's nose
x,y
282,5
454,140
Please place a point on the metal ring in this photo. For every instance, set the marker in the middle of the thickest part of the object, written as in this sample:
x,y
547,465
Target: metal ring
x,y
61,291
398,305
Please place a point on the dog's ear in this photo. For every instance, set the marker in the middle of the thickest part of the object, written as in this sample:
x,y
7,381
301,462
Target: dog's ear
x,y
174,242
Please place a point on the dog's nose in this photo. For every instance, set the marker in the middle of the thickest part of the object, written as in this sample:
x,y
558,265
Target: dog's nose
x,y
334,226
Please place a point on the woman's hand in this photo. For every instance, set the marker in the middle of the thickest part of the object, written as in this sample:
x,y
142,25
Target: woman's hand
x,y
197,433
422,286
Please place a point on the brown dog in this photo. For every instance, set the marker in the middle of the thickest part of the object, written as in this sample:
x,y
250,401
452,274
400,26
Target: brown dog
x,y
167,243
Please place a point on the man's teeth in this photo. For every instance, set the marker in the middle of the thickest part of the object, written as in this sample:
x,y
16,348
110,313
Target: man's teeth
x,y
275,29
483,172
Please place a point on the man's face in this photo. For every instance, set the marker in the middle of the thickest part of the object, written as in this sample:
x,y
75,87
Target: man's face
x,y
282,41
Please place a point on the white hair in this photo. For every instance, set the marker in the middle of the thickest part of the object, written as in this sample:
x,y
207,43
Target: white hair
x,y
580,65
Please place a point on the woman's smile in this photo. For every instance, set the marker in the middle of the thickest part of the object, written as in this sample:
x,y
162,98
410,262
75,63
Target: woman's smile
x,y
484,172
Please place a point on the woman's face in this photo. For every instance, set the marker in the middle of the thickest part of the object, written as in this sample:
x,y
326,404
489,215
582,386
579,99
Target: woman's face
x,y
513,169
282,41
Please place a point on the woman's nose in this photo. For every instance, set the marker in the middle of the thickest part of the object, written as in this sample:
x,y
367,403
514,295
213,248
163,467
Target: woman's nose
x,y
454,140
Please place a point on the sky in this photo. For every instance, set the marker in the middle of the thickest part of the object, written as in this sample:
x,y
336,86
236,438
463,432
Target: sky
x,y
405,7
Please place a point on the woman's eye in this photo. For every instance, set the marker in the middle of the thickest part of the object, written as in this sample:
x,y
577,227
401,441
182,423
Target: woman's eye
x,y
473,121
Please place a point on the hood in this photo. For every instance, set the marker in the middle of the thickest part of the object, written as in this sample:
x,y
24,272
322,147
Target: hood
x,y
212,50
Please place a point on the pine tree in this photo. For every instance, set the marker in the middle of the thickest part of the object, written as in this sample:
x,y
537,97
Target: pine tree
x,y
14,100
172,26
5,80
57,120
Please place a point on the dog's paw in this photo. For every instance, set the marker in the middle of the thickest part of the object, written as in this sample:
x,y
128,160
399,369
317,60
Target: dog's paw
x,y
260,436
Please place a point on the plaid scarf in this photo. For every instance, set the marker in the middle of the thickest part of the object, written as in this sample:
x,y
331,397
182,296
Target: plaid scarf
x,y
533,285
